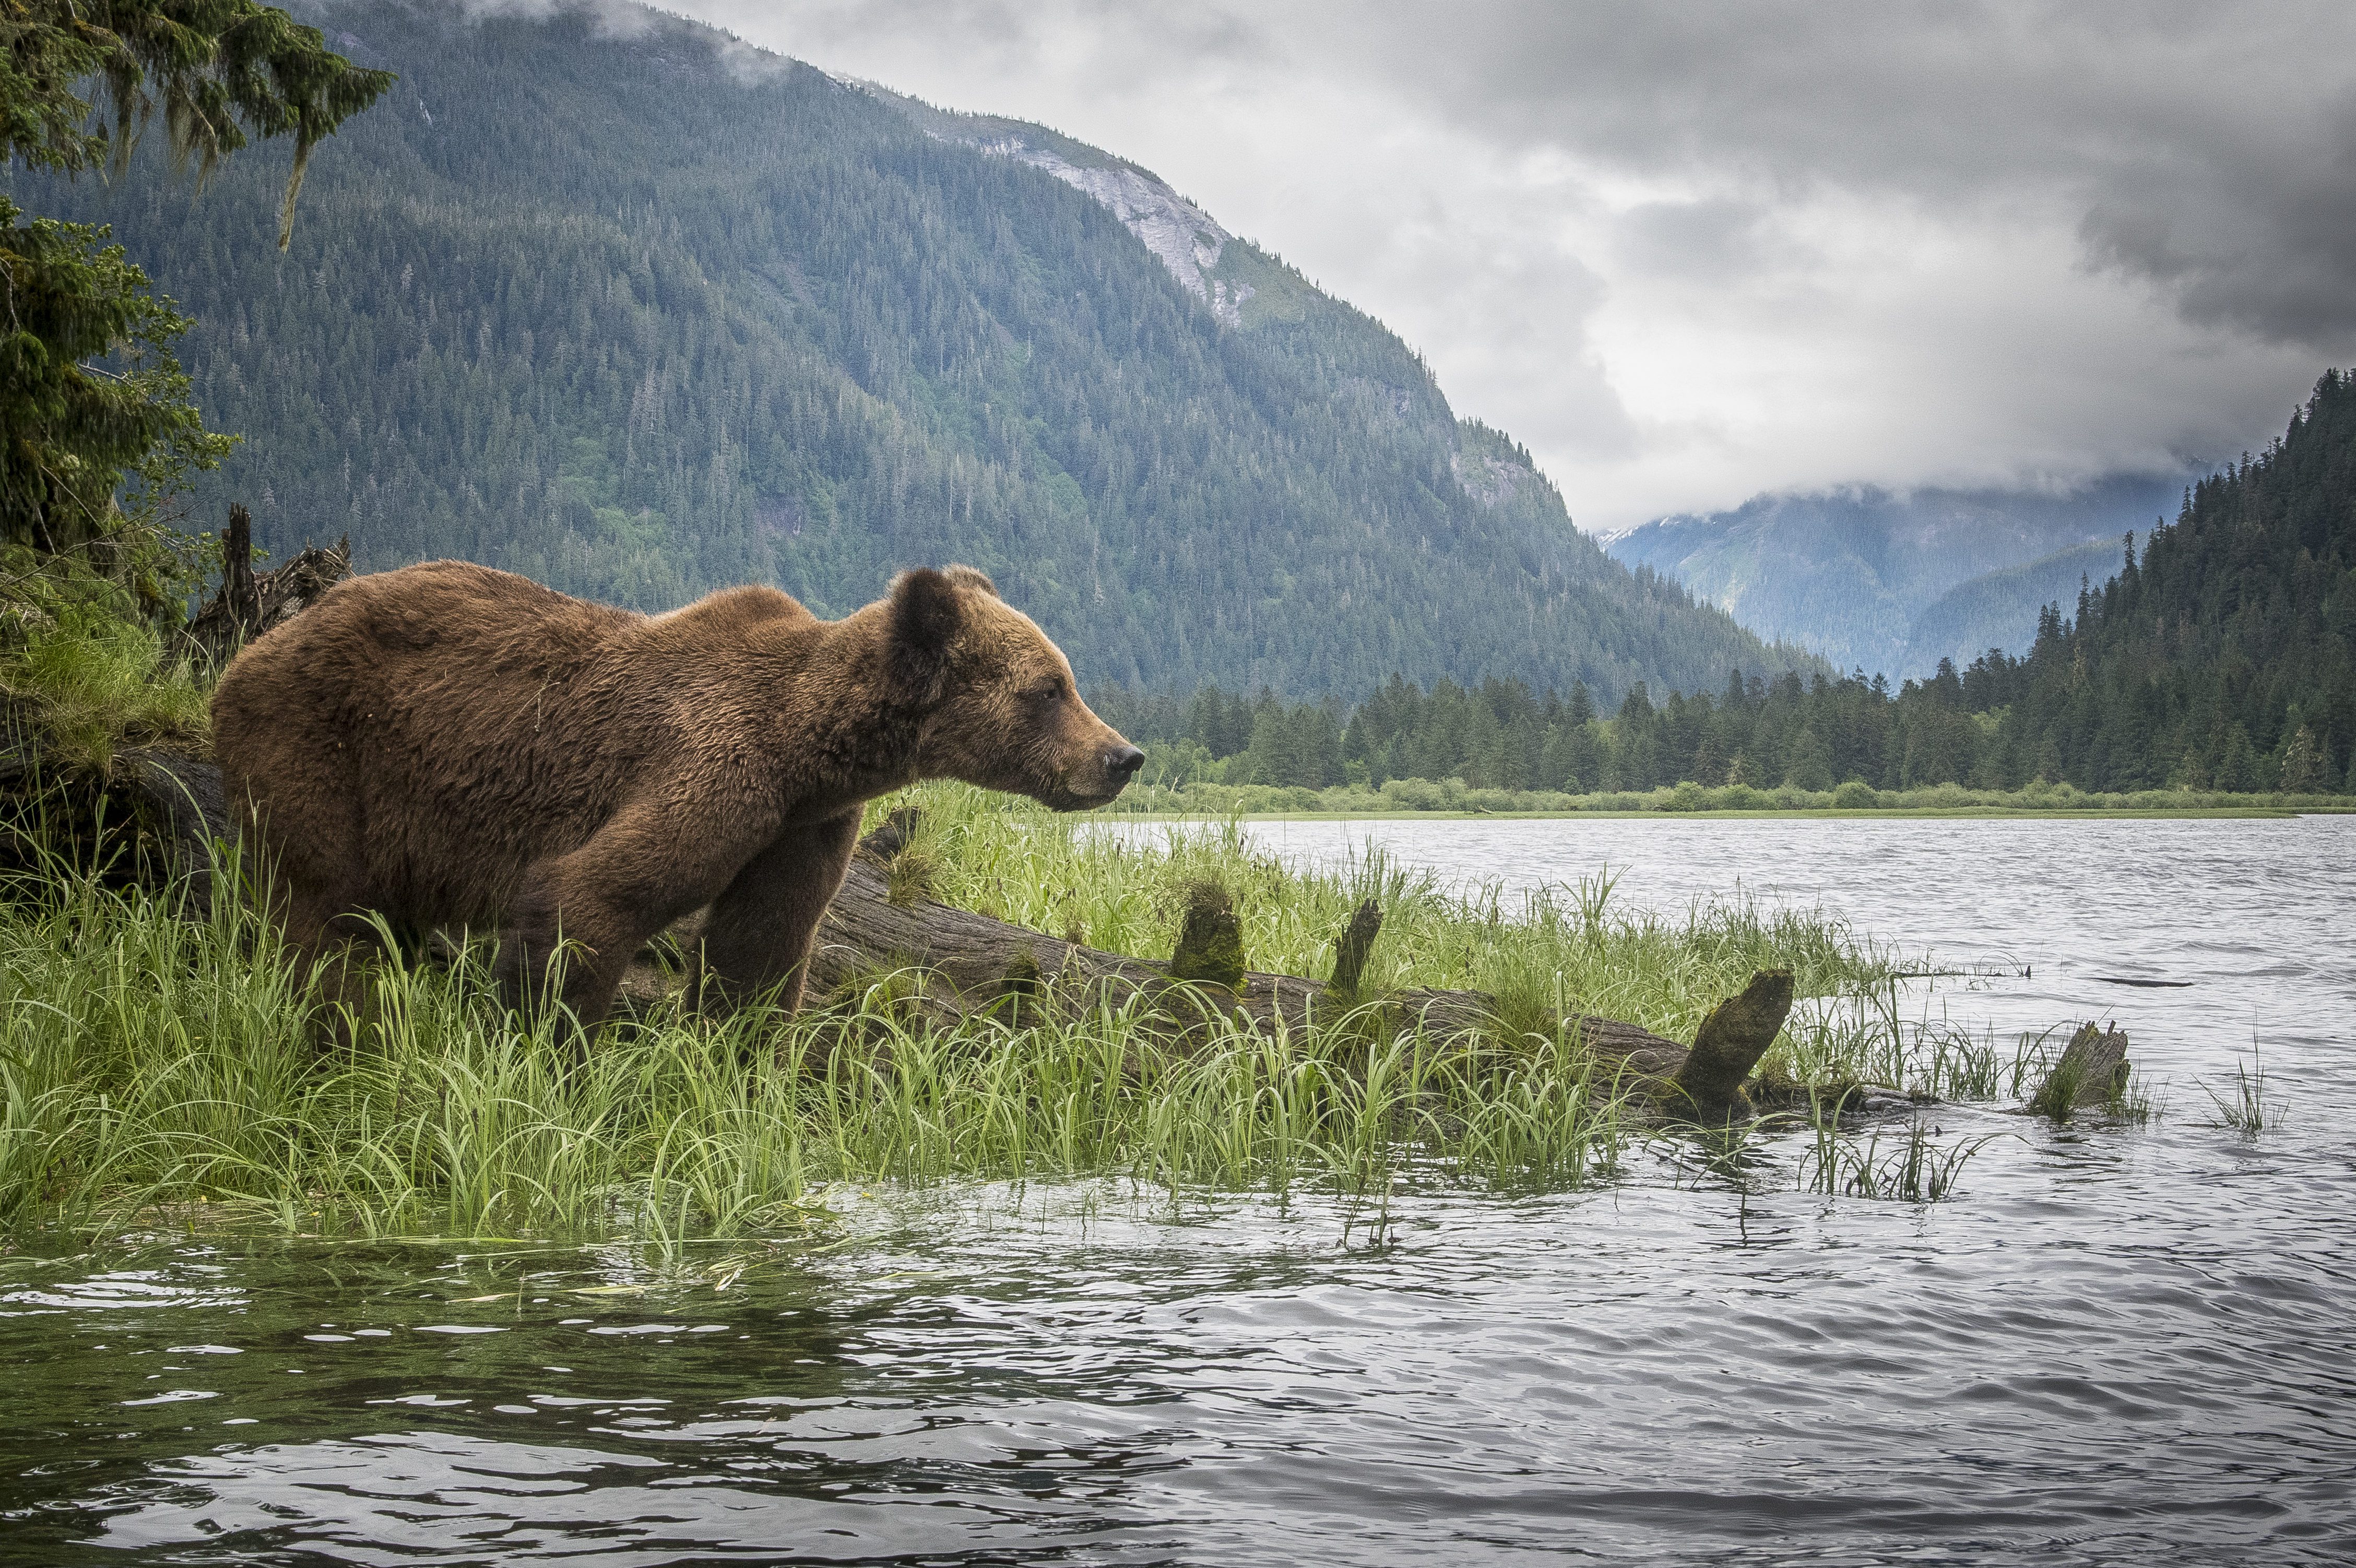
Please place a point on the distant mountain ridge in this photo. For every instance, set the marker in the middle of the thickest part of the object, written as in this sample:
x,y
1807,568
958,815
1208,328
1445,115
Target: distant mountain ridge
x,y
610,307
1987,611
1892,582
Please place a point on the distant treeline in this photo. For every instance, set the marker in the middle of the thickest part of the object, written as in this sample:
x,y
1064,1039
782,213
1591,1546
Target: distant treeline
x,y
1970,729
2223,658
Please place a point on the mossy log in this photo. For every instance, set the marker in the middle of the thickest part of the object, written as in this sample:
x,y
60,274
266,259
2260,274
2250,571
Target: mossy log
x,y
963,963
2093,1070
956,963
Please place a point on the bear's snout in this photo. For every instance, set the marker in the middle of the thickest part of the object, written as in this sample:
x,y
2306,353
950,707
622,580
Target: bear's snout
x,y
1116,765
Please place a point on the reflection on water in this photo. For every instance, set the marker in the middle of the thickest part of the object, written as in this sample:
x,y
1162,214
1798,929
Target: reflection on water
x,y
2117,1344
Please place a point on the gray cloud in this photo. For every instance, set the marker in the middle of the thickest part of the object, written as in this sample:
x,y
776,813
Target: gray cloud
x,y
1689,253
2207,148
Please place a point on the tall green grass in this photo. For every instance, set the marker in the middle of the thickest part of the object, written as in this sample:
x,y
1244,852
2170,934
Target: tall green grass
x,y
82,682
1559,949
161,1067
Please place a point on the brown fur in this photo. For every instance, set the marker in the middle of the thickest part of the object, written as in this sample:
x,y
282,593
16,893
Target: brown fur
x,y
452,746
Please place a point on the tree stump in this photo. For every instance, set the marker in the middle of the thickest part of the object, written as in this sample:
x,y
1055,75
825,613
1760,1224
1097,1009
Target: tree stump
x,y
1727,1046
250,602
1351,950
2093,1070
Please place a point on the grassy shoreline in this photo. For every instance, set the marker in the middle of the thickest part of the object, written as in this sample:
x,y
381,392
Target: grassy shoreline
x,y
158,1064
1793,815
1454,797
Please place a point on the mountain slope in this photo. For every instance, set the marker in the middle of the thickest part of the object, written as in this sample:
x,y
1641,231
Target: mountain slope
x,y
2000,609
641,315
1850,573
2226,655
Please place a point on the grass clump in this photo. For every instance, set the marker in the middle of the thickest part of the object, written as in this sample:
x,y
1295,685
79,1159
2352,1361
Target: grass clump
x,y
2246,1107
154,1064
1915,1168
83,684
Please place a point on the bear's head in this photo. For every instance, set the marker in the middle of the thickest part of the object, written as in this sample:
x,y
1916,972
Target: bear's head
x,y
1003,711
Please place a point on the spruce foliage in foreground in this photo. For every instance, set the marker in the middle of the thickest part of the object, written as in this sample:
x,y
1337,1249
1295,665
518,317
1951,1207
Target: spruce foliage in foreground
x,y
637,316
2222,658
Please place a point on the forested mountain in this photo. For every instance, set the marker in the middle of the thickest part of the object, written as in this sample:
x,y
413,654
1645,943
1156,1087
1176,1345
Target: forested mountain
x,y
2000,609
2226,655
638,311
1860,574
2222,656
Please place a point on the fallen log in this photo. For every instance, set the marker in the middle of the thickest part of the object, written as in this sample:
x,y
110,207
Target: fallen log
x,y
965,963
957,964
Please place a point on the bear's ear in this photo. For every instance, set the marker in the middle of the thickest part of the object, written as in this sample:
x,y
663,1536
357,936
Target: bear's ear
x,y
925,619
970,577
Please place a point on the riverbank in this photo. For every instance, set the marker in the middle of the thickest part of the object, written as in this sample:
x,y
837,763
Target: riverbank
x,y
1453,797
158,1063
1119,1365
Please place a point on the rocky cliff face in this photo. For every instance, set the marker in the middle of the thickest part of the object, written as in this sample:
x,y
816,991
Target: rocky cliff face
x,y
1188,239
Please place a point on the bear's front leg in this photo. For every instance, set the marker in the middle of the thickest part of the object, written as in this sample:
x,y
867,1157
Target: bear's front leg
x,y
759,931
585,915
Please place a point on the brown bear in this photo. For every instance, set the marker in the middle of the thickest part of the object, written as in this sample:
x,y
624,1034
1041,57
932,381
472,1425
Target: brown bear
x,y
450,746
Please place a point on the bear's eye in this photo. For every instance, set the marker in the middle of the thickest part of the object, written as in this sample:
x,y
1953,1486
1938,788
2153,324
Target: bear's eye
x,y
1045,692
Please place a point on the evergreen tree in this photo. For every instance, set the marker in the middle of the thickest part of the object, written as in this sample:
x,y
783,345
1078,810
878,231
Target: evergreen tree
x,y
72,424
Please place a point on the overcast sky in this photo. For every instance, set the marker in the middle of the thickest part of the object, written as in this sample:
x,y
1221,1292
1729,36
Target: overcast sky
x,y
1692,252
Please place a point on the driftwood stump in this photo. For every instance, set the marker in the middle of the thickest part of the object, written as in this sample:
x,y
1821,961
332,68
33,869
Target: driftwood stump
x,y
249,602
2093,1070
1729,1045
1352,949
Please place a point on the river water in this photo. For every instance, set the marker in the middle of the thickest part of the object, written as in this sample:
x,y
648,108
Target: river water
x,y
2115,1342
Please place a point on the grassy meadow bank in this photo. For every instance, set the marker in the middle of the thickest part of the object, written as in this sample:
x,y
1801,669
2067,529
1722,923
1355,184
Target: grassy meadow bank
x,y
1454,797
158,1066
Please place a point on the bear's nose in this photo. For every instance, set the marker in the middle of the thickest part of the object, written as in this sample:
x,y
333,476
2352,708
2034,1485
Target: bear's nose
x,y
1123,761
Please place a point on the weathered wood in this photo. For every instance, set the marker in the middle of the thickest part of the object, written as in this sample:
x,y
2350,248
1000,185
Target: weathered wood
x,y
2091,1071
183,799
250,602
1727,1046
959,963
1352,949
